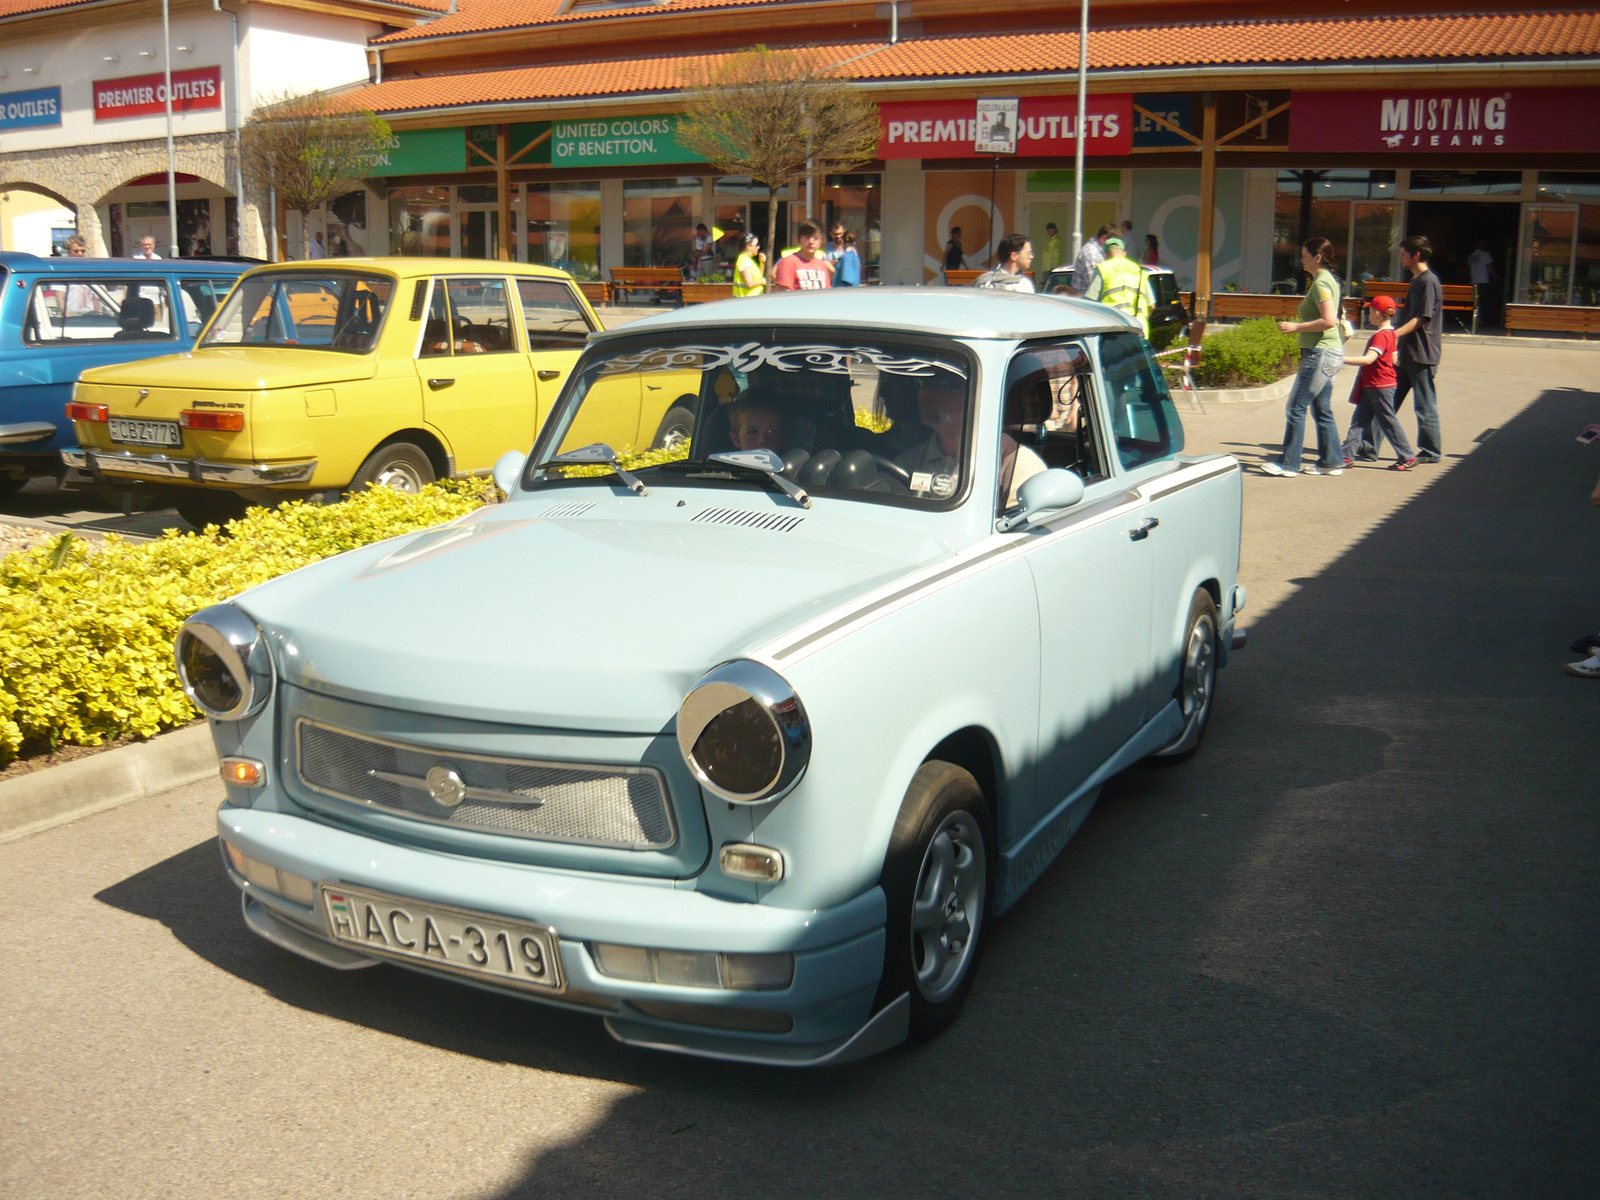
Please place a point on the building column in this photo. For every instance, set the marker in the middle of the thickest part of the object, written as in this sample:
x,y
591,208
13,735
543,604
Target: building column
x,y
904,199
611,229
1208,208
90,230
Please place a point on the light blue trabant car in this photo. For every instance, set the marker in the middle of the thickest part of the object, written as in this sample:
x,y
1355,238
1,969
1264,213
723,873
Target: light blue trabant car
x,y
740,742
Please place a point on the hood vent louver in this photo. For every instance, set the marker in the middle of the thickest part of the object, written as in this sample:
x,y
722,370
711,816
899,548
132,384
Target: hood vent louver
x,y
572,508
773,522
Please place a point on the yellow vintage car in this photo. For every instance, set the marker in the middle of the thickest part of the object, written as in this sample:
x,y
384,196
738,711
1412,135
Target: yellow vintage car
x,y
319,377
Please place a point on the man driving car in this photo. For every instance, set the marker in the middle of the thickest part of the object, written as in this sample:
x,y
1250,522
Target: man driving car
x,y
935,464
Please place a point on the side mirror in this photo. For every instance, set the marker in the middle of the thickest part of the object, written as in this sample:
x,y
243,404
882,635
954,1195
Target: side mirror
x,y
508,467
1047,491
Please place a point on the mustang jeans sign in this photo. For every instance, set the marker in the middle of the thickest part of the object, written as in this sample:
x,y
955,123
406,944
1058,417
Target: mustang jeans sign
x,y
146,95
1549,120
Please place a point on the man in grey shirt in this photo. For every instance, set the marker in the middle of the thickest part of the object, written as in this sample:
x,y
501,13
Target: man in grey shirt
x,y
1087,265
1418,329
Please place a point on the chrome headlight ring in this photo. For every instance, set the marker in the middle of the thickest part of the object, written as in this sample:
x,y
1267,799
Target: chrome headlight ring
x,y
744,733
223,663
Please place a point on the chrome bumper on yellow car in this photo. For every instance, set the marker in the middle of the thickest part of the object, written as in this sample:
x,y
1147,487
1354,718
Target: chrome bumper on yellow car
x,y
191,470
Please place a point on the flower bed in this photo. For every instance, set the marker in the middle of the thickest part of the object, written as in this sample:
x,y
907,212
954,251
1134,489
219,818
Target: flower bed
x,y
1249,354
86,630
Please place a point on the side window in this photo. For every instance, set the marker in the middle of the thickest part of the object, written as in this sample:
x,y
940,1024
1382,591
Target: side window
x,y
97,310
480,316
1049,418
436,330
552,314
1144,421
200,298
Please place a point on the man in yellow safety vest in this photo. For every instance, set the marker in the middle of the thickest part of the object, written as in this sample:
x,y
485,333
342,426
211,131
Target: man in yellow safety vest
x,y
1122,283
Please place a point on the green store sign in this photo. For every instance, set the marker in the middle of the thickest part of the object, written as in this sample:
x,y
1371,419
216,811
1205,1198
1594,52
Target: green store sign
x,y
617,142
422,152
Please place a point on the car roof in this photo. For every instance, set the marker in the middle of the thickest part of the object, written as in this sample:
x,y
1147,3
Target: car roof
x,y
1067,269
409,268
948,311
15,260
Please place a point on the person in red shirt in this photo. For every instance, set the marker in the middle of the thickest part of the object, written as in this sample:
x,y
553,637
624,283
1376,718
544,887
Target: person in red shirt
x,y
1373,394
804,270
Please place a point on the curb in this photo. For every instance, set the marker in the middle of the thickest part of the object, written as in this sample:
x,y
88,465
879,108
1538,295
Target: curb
x,y
56,795
1272,391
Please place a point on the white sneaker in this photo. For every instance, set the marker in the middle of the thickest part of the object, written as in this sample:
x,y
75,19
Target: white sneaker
x,y
1277,468
1313,469
1589,668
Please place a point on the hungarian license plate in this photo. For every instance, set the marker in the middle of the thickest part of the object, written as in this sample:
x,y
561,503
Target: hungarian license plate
x,y
518,953
145,433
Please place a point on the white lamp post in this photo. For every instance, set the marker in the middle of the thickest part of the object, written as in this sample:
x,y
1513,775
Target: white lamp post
x,y
172,174
1083,106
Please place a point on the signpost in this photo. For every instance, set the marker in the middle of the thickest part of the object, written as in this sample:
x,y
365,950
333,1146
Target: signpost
x,y
995,132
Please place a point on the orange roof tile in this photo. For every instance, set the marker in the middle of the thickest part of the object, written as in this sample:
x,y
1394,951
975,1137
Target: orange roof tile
x,y
22,8
1375,39
483,16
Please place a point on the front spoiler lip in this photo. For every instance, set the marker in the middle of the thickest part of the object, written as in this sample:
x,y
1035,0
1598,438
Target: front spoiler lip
x,y
188,470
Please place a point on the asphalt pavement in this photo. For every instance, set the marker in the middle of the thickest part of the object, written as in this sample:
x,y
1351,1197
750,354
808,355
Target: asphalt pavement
x,y
1349,950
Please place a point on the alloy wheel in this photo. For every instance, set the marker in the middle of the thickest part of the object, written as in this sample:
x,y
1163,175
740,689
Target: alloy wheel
x,y
947,906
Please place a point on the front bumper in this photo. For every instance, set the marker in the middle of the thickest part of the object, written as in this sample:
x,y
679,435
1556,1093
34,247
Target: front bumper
x,y
838,951
189,470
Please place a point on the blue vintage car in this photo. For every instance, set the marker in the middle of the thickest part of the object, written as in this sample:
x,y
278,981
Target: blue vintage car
x,y
61,316
740,743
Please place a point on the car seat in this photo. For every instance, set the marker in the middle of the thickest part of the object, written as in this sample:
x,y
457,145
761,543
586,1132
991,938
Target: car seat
x,y
134,321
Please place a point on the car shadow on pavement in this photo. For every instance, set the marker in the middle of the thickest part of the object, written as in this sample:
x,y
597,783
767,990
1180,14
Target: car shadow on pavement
x,y
1347,950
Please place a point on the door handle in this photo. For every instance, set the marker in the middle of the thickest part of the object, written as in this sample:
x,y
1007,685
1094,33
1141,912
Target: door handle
x,y
436,384
547,376
1145,526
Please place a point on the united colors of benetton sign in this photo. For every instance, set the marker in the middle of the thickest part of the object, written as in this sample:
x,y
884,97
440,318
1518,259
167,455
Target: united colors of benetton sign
x,y
146,95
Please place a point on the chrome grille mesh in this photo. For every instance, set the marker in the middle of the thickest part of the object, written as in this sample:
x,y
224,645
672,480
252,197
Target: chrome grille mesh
x,y
599,805
775,522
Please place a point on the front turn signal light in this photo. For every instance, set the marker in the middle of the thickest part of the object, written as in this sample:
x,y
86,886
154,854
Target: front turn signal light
x,y
759,864
77,411
219,422
244,772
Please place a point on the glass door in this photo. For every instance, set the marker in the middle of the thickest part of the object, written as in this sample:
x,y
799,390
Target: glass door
x,y
1549,242
1376,229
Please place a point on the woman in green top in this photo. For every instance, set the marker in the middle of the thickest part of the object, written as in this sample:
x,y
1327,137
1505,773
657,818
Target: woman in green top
x,y
1321,358
749,271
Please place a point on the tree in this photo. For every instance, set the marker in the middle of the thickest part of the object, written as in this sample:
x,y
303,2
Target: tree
x,y
309,149
777,116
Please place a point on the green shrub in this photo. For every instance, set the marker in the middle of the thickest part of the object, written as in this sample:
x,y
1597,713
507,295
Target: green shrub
x,y
86,631
1163,338
1248,355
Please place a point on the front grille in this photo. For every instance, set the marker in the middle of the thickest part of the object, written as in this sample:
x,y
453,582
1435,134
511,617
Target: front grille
x,y
625,807
572,508
776,522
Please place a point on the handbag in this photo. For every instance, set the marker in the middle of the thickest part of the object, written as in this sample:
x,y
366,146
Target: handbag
x,y
1346,330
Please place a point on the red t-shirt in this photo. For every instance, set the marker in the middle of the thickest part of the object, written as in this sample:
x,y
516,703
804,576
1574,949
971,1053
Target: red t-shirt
x,y
1380,373
793,275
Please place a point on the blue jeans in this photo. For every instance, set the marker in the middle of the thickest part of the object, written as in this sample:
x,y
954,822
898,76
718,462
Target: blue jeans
x,y
1374,417
1417,379
1313,386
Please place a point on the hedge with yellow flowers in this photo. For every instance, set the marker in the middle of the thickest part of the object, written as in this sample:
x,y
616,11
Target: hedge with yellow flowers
x,y
86,631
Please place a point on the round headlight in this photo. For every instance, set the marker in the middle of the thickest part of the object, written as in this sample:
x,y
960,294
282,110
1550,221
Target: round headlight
x,y
744,733
223,663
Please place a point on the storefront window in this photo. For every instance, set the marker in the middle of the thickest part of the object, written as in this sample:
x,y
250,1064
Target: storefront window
x,y
741,199
347,226
1466,183
419,221
1329,204
564,227
658,221
1577,187
1548,233
855,201
1586,271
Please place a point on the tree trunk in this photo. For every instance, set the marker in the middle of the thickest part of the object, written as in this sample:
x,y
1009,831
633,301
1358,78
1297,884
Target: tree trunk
x,y
305,235
772,233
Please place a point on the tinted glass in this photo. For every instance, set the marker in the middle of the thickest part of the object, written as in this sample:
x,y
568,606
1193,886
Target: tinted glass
x,y
862,417
200,298
552,314
316,311
1144,422
97,310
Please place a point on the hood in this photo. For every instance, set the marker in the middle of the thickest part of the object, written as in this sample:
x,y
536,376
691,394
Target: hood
x,y
592,622
239,368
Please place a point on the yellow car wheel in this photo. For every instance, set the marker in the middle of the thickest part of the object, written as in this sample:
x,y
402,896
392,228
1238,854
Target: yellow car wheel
x,y
202,508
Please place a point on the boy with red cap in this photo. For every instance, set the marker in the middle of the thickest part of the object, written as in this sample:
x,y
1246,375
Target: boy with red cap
x,y
1373,395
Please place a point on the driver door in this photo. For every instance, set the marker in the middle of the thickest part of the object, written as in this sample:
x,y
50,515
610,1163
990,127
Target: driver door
x,y
476,380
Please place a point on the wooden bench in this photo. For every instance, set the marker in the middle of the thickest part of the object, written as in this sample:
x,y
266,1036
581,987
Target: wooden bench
x,y
1457,297
961,278
1245,306
625,280
598,292
1553,318
705,293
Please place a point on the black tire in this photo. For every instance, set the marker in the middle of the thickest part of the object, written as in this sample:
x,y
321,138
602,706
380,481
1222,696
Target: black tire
x,y
10,485
1197,679
398,465
202,508
943,805
677,426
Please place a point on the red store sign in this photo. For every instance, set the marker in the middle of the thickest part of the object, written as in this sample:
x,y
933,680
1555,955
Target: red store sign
x,y
1402,121
1046,127
146,95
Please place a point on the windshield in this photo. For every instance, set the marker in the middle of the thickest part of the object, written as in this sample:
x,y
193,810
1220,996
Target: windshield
x,y
866,417
332,311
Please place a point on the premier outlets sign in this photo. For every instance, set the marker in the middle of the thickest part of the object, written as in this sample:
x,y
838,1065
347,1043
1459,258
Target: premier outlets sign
x,y
1045,127
34,109
146,95
1477,121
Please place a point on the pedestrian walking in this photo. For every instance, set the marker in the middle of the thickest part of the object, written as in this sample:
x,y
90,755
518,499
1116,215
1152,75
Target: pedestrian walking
x,y
1373,394
955,258
750,269
847,268
1484,300
77,247
1090,255
1050,257
1588,668
147,248
805,270
1016,256
1152,250
1123,284
1321,359
1421,324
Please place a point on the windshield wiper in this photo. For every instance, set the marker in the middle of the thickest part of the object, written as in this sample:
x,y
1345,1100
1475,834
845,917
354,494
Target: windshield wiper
x,y
759,464
598,454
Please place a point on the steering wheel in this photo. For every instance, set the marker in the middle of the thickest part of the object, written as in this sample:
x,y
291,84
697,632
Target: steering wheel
x,y
893,468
